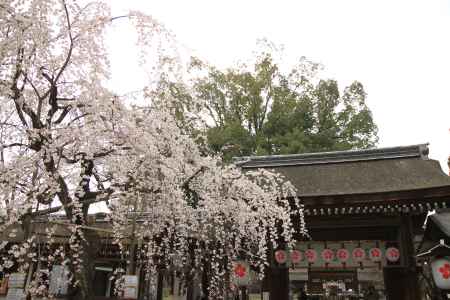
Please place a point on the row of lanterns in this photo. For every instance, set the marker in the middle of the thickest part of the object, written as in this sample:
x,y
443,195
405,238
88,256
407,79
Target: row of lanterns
x,y
311,256
398,208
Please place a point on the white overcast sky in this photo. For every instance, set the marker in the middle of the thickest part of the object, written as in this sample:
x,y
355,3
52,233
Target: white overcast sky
x,y
399,50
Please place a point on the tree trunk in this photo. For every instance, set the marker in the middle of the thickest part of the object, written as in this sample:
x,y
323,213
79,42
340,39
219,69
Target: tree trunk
x,y
85,275
159,292
190,290
205,282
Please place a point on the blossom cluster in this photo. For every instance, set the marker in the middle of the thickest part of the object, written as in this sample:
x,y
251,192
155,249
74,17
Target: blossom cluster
x,y
68,141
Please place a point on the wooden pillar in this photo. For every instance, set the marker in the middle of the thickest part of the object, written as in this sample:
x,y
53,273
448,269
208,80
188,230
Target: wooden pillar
x,y
279,283
402,282
244,293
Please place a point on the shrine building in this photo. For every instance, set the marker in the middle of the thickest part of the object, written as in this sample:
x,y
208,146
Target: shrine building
x,y
364,211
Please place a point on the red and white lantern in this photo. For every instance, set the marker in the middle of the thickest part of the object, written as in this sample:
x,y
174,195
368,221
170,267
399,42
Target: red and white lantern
x,y
392,254
358,254
440,268
241,272
327,255
375,254
280,256
296,256
342,255
311,255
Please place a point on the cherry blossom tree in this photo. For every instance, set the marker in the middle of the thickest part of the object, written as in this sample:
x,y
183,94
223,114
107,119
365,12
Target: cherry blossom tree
x,y
67,142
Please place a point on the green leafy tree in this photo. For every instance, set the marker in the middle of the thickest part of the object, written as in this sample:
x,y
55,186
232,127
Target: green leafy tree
x,y
263,110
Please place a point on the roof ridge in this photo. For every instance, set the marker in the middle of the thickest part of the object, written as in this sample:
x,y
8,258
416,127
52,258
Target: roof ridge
x,y
418,151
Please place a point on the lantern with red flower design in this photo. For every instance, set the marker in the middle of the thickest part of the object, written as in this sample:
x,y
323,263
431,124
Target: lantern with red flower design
x,y
296,256
280,256
392,254
441,273
342,255
437,232
440,264
311,255
358,254
241,273
327,255
375,254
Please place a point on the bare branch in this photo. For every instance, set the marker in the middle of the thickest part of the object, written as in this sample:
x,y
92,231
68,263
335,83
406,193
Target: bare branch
x,y
13,145
69,54
78,118
187,181
65,111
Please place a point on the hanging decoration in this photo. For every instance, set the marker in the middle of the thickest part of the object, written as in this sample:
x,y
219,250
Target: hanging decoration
x,y
296,256
280,256
342,255
392,254
327,255
311,255
358,254
440,268
241,272
375,254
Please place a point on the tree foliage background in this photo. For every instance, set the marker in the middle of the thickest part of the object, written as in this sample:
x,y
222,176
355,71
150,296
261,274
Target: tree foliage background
x,y
266,108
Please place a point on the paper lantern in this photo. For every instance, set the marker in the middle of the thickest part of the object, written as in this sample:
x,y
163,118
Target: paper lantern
x,y
392,254
241,272
440,268
280,256
311,255
375,254
358,254
296,256
327,255
343,255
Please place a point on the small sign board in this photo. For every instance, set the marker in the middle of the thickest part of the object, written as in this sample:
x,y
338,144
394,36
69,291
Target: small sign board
x,y
369,274
59,280
16,294
299,274
16,280
131,284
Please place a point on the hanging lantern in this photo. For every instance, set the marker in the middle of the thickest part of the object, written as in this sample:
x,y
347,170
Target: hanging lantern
x,y
296,256
241,272
392,254
311,255
375,254
343,255
280,256
441,273
327,255
358,254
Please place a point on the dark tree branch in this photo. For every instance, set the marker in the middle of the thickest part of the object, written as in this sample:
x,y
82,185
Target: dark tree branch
x,y
69,54
15,89
188,180
64,113
14,145
97,199
77,118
